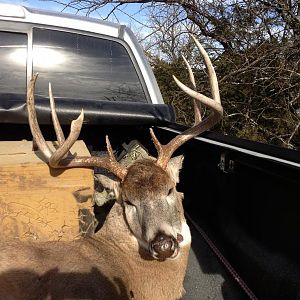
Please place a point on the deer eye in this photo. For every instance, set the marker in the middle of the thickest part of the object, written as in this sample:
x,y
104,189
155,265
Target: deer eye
x,y
129,203
170,191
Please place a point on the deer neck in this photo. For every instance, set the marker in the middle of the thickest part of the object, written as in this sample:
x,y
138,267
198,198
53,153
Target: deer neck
x,y
116,231
135,265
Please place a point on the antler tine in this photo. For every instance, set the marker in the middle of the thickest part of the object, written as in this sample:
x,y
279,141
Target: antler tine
x,y
64,148
118,168
214,86
56,159
166,151
58,131
33,123
197,104
191,73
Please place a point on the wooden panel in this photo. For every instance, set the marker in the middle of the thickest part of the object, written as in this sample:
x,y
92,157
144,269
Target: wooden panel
x,y
39,203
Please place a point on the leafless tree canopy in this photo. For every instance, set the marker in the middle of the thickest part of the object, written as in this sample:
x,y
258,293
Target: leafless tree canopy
x,y
255,45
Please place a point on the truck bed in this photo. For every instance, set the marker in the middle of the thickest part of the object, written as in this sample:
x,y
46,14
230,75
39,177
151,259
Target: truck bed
x,y
206,277
249,208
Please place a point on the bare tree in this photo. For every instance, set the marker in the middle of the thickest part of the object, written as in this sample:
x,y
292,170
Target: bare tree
x,y
254,45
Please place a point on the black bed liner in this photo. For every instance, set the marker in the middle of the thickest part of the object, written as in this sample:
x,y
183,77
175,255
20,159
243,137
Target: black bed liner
x,y
206,277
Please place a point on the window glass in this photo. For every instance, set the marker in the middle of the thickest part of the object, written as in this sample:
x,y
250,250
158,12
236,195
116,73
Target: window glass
x,y
84,67
13,56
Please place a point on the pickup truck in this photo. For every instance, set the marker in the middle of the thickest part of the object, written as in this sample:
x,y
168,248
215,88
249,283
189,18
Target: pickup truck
x,y
244,216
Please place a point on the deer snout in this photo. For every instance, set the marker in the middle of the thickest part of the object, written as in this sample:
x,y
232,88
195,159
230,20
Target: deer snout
x,y
164,246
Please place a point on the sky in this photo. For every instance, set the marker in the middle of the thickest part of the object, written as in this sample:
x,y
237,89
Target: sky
x,y
35,4
130,9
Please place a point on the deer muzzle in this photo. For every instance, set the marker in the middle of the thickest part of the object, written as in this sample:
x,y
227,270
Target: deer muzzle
x,y
164,246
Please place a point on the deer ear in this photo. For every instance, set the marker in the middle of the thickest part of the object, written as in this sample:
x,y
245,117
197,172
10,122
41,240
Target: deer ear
x,y
174,167
110,183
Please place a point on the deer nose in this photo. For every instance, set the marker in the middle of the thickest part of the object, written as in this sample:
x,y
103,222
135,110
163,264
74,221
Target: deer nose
x,y
164,246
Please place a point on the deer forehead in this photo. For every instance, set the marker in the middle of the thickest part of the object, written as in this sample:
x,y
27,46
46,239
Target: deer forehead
x,y
145,177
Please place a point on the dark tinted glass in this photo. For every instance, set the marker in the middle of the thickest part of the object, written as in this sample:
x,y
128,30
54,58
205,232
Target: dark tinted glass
x,y
13,55
84,67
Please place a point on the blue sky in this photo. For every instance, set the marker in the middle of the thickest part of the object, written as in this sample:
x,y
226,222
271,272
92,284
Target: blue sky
x,y
36,4
131,9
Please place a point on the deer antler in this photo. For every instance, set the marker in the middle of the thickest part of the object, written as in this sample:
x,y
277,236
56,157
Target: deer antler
x,y
61,158
166,151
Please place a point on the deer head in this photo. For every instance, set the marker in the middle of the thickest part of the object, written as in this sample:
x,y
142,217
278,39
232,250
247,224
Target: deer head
x,y
147,189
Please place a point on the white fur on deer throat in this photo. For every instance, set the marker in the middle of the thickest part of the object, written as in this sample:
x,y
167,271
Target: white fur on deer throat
x,y
186,233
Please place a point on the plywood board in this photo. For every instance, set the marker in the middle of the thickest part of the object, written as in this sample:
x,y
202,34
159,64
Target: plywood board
x,y
40,203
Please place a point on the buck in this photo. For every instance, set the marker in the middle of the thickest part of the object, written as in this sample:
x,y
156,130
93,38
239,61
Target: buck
x,y
141,252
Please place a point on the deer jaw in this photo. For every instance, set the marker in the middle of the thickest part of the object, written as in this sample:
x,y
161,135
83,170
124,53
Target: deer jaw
x,y
152,207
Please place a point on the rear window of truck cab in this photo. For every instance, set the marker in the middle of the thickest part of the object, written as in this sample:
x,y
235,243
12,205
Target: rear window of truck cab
x,y
78,66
